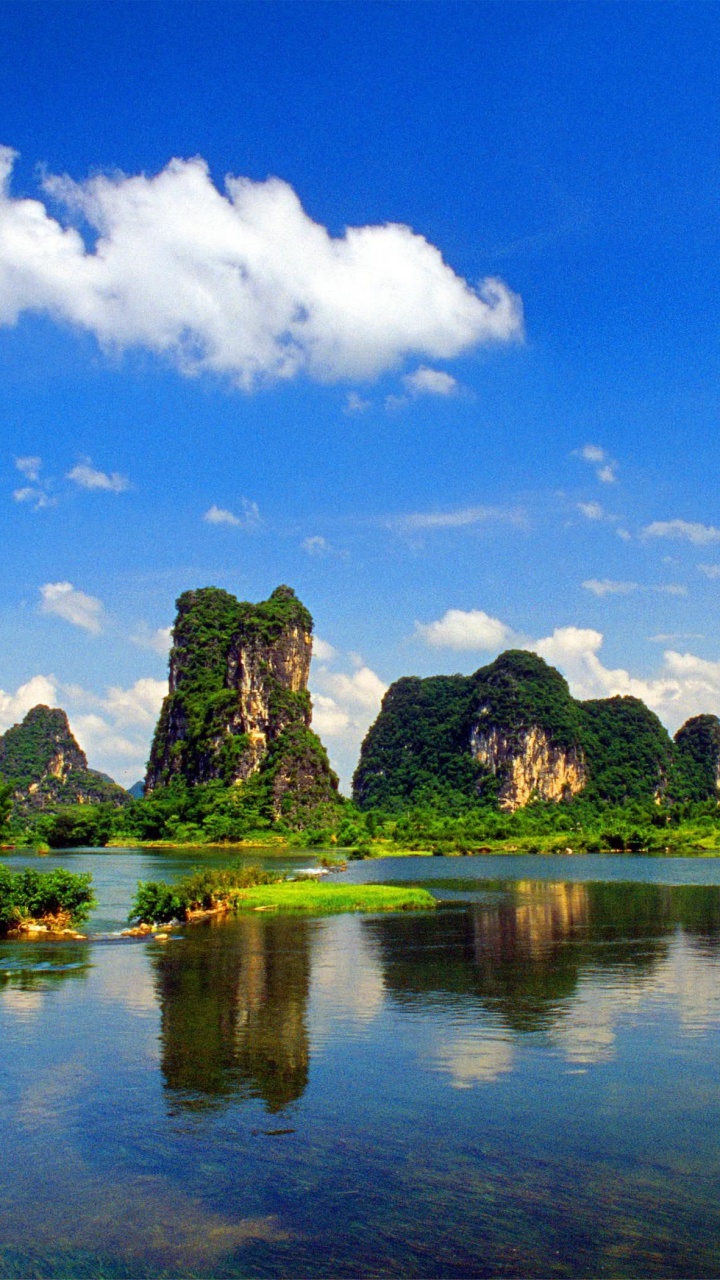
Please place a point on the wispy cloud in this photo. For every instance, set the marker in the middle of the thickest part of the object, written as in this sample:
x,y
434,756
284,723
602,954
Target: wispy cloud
x,y
682,530
29,466
460,518
711,571
159,640
86,476
355,403
607,587
62,599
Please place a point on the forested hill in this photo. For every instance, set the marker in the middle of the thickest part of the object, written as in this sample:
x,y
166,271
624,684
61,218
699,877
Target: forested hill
x,y
512,733
46,768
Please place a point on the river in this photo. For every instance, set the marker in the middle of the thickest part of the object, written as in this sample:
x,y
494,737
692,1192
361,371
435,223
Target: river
x,y
523,1082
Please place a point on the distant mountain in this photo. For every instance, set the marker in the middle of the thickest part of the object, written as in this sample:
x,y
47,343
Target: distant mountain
x,y
238,706
47,768
137,790
512,733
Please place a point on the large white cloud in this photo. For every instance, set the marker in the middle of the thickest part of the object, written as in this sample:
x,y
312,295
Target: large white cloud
x,y
242,283
14,706
345,703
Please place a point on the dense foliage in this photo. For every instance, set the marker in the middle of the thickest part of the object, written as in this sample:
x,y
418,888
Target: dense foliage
x,y
206,733
45,767
34,895
418,754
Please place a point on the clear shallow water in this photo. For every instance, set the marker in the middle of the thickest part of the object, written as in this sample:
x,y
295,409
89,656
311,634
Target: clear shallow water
x,y
526,1085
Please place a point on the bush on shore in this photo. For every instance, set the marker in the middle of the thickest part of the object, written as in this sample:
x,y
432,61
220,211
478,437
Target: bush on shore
x,y
36,895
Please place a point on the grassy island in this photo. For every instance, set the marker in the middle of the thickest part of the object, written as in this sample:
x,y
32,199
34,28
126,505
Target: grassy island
x,y
247,889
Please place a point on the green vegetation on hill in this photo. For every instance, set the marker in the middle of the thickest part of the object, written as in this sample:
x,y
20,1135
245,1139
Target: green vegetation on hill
x,y
238,711
45,767
419,752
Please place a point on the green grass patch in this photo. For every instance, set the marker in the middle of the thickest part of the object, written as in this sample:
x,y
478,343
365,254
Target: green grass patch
x,y
311,898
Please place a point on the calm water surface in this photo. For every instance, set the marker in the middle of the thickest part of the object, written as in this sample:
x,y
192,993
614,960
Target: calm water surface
x,y
524,1082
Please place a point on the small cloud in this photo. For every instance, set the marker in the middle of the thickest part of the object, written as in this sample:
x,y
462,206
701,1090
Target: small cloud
x,y
471,629
393,402
249,520
698,534
354,403
37,498
624,534
316,546
606,587
591,510
670,589
159,640
323,651
430,382
88,477
605,466
220,515
81,610
29,466
711,571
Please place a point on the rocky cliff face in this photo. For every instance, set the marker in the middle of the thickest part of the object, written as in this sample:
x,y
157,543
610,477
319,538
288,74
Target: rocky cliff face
x,y
47,768
238,703
512,733
530,766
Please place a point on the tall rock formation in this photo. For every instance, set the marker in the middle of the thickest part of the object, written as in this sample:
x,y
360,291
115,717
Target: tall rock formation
x,y
512,733
47,768
238,703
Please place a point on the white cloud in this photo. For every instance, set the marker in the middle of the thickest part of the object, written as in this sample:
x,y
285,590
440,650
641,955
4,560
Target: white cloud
x,y
711,571
74,606
461,518
159,640
472,629
29,466
328,719
242,283
605,466
250,519
140,704
88,477
606,587
699,534
672,637
37,497
362,689
316,546
430,382
591,510
14,706
220,515
322,651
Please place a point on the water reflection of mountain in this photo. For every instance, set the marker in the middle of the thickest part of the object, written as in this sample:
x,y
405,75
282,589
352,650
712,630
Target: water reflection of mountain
x,y
523,952
233,1000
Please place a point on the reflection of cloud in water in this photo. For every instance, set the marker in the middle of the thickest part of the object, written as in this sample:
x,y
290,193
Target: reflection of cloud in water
x,y
686,981
347,981
474,1058
127,980
21,1004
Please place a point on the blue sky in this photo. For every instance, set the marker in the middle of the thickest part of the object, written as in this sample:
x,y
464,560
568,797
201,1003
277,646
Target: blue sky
x,y
205,377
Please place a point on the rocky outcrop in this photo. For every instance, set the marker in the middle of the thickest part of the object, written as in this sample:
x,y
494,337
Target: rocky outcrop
x,y
238,704
512,733
530,766
46,767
